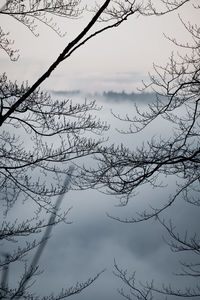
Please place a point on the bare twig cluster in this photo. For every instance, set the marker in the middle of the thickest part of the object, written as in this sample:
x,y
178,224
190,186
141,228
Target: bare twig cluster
x,y
123,171
41,136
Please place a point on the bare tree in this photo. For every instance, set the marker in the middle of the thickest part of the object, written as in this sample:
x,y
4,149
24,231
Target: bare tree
x,y
41,136
34,12
124,171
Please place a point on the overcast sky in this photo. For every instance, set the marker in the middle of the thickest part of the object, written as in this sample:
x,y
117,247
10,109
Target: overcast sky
x,y
117,60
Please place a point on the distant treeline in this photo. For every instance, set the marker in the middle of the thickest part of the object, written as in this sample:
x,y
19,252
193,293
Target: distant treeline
x,y
109,95
116,96
66,93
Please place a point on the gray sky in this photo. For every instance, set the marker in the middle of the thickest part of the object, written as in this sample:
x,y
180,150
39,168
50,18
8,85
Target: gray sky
x,y
126,52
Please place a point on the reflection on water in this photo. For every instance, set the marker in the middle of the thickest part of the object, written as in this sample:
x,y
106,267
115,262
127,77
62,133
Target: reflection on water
x,y
78,251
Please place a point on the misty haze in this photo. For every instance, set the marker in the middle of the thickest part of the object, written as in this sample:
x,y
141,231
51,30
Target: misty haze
x,y
99,148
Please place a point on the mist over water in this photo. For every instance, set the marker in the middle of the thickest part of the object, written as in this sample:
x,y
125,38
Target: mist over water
x,y
91,243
